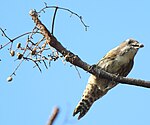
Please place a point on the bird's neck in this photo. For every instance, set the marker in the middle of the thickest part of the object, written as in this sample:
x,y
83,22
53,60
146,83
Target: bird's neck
x,y
127,56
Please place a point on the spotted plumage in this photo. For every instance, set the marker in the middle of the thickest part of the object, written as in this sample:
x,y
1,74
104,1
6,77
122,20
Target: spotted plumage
x,y
117,61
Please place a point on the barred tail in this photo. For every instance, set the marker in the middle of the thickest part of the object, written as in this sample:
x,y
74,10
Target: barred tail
x,y
90,95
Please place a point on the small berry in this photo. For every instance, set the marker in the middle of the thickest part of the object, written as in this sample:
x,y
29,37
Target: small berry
x,y
19,55
33,51
18,45
12,52
9,79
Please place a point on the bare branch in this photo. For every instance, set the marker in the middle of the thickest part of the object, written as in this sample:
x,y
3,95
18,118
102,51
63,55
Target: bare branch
x,y
75,60
31,51
35,51
14,72
120,79
62,8
53,116
53,22
24,34
4,34
77,71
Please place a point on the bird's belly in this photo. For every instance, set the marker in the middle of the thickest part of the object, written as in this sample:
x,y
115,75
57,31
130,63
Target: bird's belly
x,y
100,82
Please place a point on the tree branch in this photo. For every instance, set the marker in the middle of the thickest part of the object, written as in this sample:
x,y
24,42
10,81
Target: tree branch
x,y
75,60
65,9
53,116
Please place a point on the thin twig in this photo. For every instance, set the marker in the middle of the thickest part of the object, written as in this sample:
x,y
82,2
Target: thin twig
x,y
1,47
5,35
14,72
53,116
66,9
53,22
38,66
21,36
45,64
34,61
78,71
73,13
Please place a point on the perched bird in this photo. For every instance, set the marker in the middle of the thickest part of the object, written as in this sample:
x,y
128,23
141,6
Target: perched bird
x,y
118,61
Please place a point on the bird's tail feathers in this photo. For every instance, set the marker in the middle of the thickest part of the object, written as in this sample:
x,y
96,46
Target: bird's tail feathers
x,y
91,94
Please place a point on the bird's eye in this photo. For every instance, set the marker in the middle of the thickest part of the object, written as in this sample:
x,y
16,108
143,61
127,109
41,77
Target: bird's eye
x,y
129,42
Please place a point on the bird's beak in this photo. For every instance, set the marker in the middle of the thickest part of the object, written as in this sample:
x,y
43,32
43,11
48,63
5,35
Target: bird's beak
x,y
141,45
138,45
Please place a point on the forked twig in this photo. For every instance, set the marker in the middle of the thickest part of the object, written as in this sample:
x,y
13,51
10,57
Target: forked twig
x,y
66,9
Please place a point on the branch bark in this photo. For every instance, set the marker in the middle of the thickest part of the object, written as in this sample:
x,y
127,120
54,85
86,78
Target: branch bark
x,y
75,60
53,116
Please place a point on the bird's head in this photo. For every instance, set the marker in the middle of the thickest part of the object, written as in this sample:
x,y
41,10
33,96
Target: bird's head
x,y
130,47
133,44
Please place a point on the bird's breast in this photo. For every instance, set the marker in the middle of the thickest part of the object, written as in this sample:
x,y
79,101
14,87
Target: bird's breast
x,y
122,59
126,57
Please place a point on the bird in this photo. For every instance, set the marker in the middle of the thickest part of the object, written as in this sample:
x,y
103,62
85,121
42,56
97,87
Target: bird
x,y
118,61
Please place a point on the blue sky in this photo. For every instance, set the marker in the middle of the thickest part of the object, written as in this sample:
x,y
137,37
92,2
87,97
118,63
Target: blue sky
x,y
31,96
